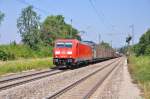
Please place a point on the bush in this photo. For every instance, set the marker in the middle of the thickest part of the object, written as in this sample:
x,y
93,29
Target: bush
x,y
143,47
11,52
147,51
3,55
140,70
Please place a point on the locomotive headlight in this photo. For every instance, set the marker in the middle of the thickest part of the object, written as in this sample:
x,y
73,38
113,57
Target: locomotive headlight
x,y
57,52
69,52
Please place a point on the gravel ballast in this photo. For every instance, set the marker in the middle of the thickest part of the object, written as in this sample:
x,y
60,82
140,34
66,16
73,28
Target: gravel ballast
x,y
118,86
49,85
81,90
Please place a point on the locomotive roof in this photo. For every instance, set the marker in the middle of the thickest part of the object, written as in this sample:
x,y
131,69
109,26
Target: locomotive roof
x,y
91,43
58,40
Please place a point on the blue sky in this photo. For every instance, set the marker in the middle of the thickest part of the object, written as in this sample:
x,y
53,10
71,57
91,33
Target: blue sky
x,y
111,21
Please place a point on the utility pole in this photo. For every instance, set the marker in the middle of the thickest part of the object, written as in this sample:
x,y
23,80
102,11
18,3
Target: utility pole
x,y
111,43
99,38
82,33
128,39
71,29
132,31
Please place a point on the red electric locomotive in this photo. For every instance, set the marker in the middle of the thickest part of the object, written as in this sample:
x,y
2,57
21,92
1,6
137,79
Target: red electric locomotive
x,y
71,52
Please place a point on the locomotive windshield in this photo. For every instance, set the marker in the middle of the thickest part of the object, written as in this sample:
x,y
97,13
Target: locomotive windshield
x,y
64,45
60,45
68,45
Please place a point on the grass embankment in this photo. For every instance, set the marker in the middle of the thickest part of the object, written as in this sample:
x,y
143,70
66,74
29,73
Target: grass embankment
x,y
24,64
140,71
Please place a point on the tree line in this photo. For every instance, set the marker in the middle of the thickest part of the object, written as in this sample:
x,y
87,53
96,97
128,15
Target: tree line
x,y
1,17
35,33
143,47
37,37
139,49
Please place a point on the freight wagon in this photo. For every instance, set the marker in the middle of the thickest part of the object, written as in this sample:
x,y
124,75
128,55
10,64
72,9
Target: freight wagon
x,y
71,53
100,53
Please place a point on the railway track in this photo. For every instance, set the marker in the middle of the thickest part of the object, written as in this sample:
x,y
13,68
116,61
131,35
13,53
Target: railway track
x,y
19,80
71,86
99,83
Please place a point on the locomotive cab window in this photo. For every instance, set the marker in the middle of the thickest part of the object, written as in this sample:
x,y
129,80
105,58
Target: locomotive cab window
x,y
60,45
68,45
63,45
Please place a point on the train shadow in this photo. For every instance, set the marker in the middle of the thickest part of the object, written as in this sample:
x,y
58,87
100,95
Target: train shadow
x,y
77,66
84,65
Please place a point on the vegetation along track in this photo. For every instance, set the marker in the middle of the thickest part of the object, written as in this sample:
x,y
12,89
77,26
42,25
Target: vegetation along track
x,y
19,80
71,86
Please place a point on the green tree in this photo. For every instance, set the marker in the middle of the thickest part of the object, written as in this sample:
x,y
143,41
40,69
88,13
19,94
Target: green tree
x,y
147,50
1,17
143,47
29,27
55,27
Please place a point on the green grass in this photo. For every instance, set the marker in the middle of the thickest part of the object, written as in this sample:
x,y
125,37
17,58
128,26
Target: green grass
x,y
24,64
140,71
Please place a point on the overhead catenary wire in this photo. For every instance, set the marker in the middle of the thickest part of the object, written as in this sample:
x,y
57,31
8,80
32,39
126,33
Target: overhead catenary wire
x,y
102,17
99,16
106,23
96,11
37,8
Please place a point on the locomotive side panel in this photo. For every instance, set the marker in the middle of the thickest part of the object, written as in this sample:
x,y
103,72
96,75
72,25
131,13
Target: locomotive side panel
x,y
85,52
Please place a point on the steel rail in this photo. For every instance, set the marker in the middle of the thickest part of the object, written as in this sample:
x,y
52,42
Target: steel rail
x,y
91,92
7,86
24,76
64,90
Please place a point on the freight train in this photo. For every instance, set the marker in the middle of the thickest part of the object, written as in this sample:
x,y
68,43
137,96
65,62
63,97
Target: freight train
x,y
71,53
